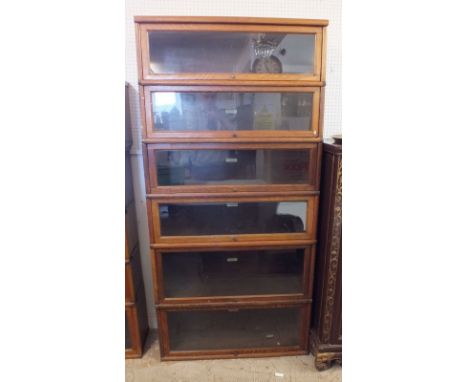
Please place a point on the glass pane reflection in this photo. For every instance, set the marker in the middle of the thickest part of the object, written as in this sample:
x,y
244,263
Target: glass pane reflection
x,y
233,273
234,329
220,111
230,52
193,219
217,167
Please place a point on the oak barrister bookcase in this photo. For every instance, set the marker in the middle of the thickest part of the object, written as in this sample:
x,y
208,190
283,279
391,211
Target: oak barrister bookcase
x,y
232,116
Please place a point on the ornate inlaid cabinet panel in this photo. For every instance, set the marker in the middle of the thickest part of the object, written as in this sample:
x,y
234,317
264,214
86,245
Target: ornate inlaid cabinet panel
x,y
232,115
326,314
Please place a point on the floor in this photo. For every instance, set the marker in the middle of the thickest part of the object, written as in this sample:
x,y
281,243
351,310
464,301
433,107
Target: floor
x,y
290,369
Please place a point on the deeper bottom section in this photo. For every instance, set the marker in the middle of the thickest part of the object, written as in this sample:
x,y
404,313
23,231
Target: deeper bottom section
x,y
224,332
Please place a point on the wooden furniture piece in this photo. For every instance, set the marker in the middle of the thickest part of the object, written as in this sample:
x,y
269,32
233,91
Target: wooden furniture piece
x,y
136,320
325,338
232,112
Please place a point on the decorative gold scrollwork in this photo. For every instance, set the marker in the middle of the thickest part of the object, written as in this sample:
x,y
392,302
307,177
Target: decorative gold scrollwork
x,y
334,258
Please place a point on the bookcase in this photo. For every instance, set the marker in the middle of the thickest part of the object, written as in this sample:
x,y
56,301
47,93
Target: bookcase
x,y
232,118
136,321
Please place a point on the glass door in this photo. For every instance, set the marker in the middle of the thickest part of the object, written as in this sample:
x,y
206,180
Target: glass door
x,y
230,52
222,112
233,274
232,167
234,219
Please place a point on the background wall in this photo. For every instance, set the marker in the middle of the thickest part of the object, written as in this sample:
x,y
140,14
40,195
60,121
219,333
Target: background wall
x,y
314,9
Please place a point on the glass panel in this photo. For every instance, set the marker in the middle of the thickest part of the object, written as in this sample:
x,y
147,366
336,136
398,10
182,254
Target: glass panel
x,y
128,335
233,329
215,111
193,167
233,273
190,219
230,52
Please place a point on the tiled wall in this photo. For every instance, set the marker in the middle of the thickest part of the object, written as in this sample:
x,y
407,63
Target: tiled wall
x,y
314,9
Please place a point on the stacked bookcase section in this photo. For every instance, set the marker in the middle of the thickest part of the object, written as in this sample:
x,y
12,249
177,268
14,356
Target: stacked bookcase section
x,y
232,112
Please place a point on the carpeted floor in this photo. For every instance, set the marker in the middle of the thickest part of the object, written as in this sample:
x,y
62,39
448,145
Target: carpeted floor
x,y
293,369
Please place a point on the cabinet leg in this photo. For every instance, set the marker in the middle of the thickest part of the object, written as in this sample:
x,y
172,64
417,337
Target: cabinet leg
x,y
322,363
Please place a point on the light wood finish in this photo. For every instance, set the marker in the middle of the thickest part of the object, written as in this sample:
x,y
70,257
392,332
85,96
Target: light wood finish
x,y
228,20
141,93
201,194
234,84
144,52
162,300
279,303
233,353
310,232
242,138
324,56
241,135
138,42
310,185
302,347
236,140
132,316
249,135
234,244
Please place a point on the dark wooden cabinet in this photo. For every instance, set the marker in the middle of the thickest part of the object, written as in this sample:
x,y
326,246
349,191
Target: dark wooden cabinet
x,y
232,116
136,320
325,337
